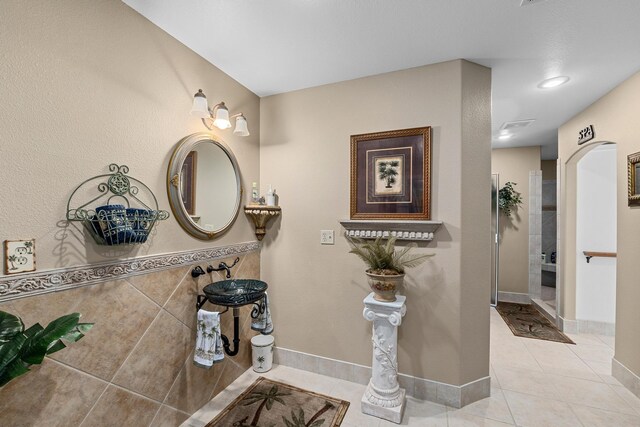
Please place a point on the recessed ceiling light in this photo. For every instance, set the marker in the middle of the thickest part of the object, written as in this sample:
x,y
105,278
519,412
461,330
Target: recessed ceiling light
x,y
505,136
553,82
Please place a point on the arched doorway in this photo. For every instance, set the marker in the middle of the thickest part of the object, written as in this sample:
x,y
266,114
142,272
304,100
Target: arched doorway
x,y
585,176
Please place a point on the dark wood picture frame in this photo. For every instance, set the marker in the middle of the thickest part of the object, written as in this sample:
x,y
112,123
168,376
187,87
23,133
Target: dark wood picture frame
x,y
188,182
391,175
633,172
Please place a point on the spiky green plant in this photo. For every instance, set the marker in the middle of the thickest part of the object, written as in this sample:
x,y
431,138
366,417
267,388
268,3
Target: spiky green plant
x,y
20,348
383,257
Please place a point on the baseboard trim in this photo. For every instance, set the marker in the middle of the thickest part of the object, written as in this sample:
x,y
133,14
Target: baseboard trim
x,y
420,388
586,327
568,326
626,377
516,297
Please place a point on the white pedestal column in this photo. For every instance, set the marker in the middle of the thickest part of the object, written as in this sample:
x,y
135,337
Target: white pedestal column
x,y
383,397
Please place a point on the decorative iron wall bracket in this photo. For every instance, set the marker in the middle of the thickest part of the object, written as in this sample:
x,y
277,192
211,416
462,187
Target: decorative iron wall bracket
x,y
128,222
259,307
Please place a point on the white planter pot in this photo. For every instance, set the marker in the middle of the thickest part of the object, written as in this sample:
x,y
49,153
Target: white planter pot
x,y
385,287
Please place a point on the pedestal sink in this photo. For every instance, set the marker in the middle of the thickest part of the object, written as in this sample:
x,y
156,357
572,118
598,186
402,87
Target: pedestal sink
x,y
235,292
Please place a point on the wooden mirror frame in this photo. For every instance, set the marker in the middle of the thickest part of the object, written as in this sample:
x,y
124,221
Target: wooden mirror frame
x,y
174,189
633,162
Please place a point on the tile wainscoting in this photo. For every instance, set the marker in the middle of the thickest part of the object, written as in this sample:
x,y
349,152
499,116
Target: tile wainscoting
x,y
423,389
135,365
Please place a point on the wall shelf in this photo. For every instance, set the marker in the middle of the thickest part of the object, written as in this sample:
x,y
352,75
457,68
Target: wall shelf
x,y
260,216
401,230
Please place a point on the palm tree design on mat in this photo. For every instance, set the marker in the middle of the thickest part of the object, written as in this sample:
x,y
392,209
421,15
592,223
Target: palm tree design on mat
x,y
387,171
267,398
315,421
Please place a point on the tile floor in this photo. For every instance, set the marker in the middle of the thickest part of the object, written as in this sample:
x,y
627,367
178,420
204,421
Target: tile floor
x,y
534,383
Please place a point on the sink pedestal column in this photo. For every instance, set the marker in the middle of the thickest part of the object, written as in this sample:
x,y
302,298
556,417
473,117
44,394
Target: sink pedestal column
x,y
383,397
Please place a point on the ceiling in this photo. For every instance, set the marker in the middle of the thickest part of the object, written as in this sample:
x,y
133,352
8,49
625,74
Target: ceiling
x,y
279,46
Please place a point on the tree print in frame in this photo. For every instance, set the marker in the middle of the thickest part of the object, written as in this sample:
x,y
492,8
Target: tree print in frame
x,y
391,175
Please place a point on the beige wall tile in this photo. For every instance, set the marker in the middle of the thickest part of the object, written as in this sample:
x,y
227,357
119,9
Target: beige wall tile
x,y
182,304
193,386
120,315
168,417
50,395
160,285
118,407
158,358
230,373
249,267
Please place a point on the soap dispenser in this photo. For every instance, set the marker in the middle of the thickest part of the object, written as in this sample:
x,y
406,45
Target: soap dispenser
x,y
254,193
271,197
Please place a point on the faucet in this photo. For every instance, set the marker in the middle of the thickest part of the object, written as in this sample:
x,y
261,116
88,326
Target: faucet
x,y
223,266
197,271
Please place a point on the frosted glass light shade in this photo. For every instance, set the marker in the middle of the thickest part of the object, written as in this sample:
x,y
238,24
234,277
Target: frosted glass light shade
x,y
241,126
221,119
200,107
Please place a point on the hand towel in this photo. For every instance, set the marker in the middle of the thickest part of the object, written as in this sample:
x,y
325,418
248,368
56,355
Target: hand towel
x,y
263,322
208,342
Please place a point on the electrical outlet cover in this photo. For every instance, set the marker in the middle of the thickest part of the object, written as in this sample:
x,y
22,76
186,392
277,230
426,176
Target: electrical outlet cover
x,y
326,237
20,256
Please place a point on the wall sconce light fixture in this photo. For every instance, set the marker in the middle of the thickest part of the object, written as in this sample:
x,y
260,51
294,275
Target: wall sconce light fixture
x,y
218,116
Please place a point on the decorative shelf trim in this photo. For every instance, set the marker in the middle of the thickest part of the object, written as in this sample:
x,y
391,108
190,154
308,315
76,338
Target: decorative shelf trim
x,y
401,230
29,284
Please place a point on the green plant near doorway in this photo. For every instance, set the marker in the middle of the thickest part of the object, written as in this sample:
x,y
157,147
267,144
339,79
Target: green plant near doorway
x,y
508,198
20,348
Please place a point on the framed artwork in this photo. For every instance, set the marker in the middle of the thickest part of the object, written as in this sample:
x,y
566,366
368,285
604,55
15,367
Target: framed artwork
x,y
391,174
20,256
633,170
188,182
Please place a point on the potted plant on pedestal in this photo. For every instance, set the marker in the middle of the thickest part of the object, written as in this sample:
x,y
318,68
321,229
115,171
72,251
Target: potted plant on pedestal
x,y
386,264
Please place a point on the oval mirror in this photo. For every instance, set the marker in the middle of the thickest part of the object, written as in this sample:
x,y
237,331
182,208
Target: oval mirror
x,y
203,183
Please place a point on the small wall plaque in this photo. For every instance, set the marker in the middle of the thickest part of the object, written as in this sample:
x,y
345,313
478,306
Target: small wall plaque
x,y
586,134
20,256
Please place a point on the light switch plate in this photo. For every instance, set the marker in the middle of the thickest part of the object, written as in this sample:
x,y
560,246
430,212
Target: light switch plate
x,y
326,237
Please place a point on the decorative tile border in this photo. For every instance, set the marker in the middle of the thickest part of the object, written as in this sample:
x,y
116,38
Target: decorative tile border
x,y
28,284
420,388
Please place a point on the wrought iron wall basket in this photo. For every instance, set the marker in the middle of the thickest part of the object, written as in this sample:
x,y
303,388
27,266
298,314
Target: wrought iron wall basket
x,y
120,209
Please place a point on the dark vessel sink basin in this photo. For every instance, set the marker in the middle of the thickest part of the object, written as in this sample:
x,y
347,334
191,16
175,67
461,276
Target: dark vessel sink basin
x,y
235,292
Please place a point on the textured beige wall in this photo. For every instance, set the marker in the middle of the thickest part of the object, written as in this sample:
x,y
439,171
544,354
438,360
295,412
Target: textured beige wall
x,y
85,84
317,291
614,118
135,366
514,164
